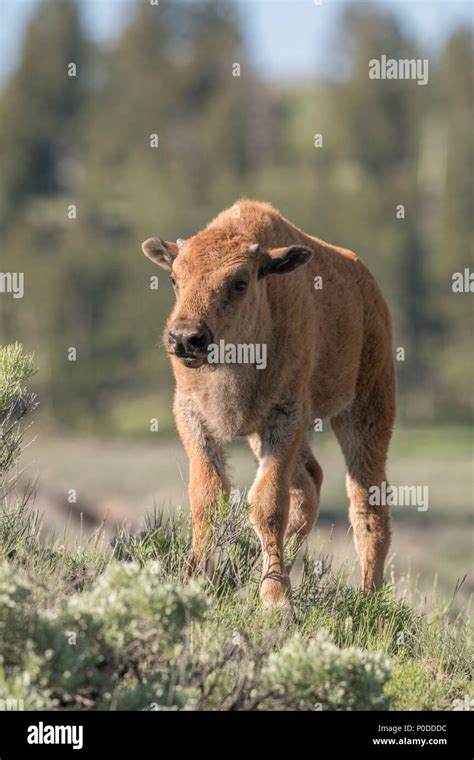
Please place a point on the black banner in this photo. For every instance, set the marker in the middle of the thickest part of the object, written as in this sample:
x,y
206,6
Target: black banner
x,y
83,734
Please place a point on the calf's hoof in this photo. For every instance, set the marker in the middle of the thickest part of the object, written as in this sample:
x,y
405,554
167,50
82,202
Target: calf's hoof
x,y
191,568
275,593
198,565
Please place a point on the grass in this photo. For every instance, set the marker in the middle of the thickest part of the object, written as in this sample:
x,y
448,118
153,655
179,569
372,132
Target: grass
x,y
123,478
141,639
112,626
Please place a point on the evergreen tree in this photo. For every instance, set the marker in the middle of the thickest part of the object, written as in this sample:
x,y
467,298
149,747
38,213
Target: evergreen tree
x,y
39,107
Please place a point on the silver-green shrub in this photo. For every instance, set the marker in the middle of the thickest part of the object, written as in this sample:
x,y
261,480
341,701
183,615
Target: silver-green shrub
x,y
316,674
128,622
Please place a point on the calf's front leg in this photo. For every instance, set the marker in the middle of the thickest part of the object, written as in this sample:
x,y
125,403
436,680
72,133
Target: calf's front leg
x,y
276,449
207,477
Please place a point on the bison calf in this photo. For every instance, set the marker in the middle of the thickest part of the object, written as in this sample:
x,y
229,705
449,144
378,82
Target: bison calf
x,y
253,278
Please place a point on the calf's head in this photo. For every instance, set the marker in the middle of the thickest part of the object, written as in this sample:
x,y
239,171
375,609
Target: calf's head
x,y
217,279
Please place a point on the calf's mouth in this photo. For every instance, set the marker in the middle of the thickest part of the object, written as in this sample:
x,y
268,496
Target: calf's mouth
x,y
192,361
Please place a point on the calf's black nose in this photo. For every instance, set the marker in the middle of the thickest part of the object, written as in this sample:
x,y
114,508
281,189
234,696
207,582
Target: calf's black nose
x,y
189,338
197,341
173,339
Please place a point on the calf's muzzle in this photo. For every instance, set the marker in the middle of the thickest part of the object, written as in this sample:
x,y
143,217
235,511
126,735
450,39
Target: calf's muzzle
x,y
189,340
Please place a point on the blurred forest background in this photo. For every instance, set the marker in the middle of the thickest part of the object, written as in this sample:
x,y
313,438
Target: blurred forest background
x,y
85,140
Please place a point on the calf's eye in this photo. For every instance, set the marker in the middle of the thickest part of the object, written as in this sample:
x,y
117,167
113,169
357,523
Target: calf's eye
x,y
173,281
239,286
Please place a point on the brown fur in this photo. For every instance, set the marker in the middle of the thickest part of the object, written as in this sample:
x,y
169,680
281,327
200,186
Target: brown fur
x,y
329,355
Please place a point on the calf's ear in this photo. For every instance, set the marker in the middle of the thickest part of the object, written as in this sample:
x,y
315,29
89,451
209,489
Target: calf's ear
x,y
284,260
160,251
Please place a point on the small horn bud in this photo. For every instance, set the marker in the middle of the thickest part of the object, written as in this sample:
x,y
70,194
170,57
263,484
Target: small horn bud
x,y
180,242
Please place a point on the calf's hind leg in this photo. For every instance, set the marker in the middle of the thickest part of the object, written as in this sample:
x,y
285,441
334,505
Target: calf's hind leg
x,y
364,434
304,497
